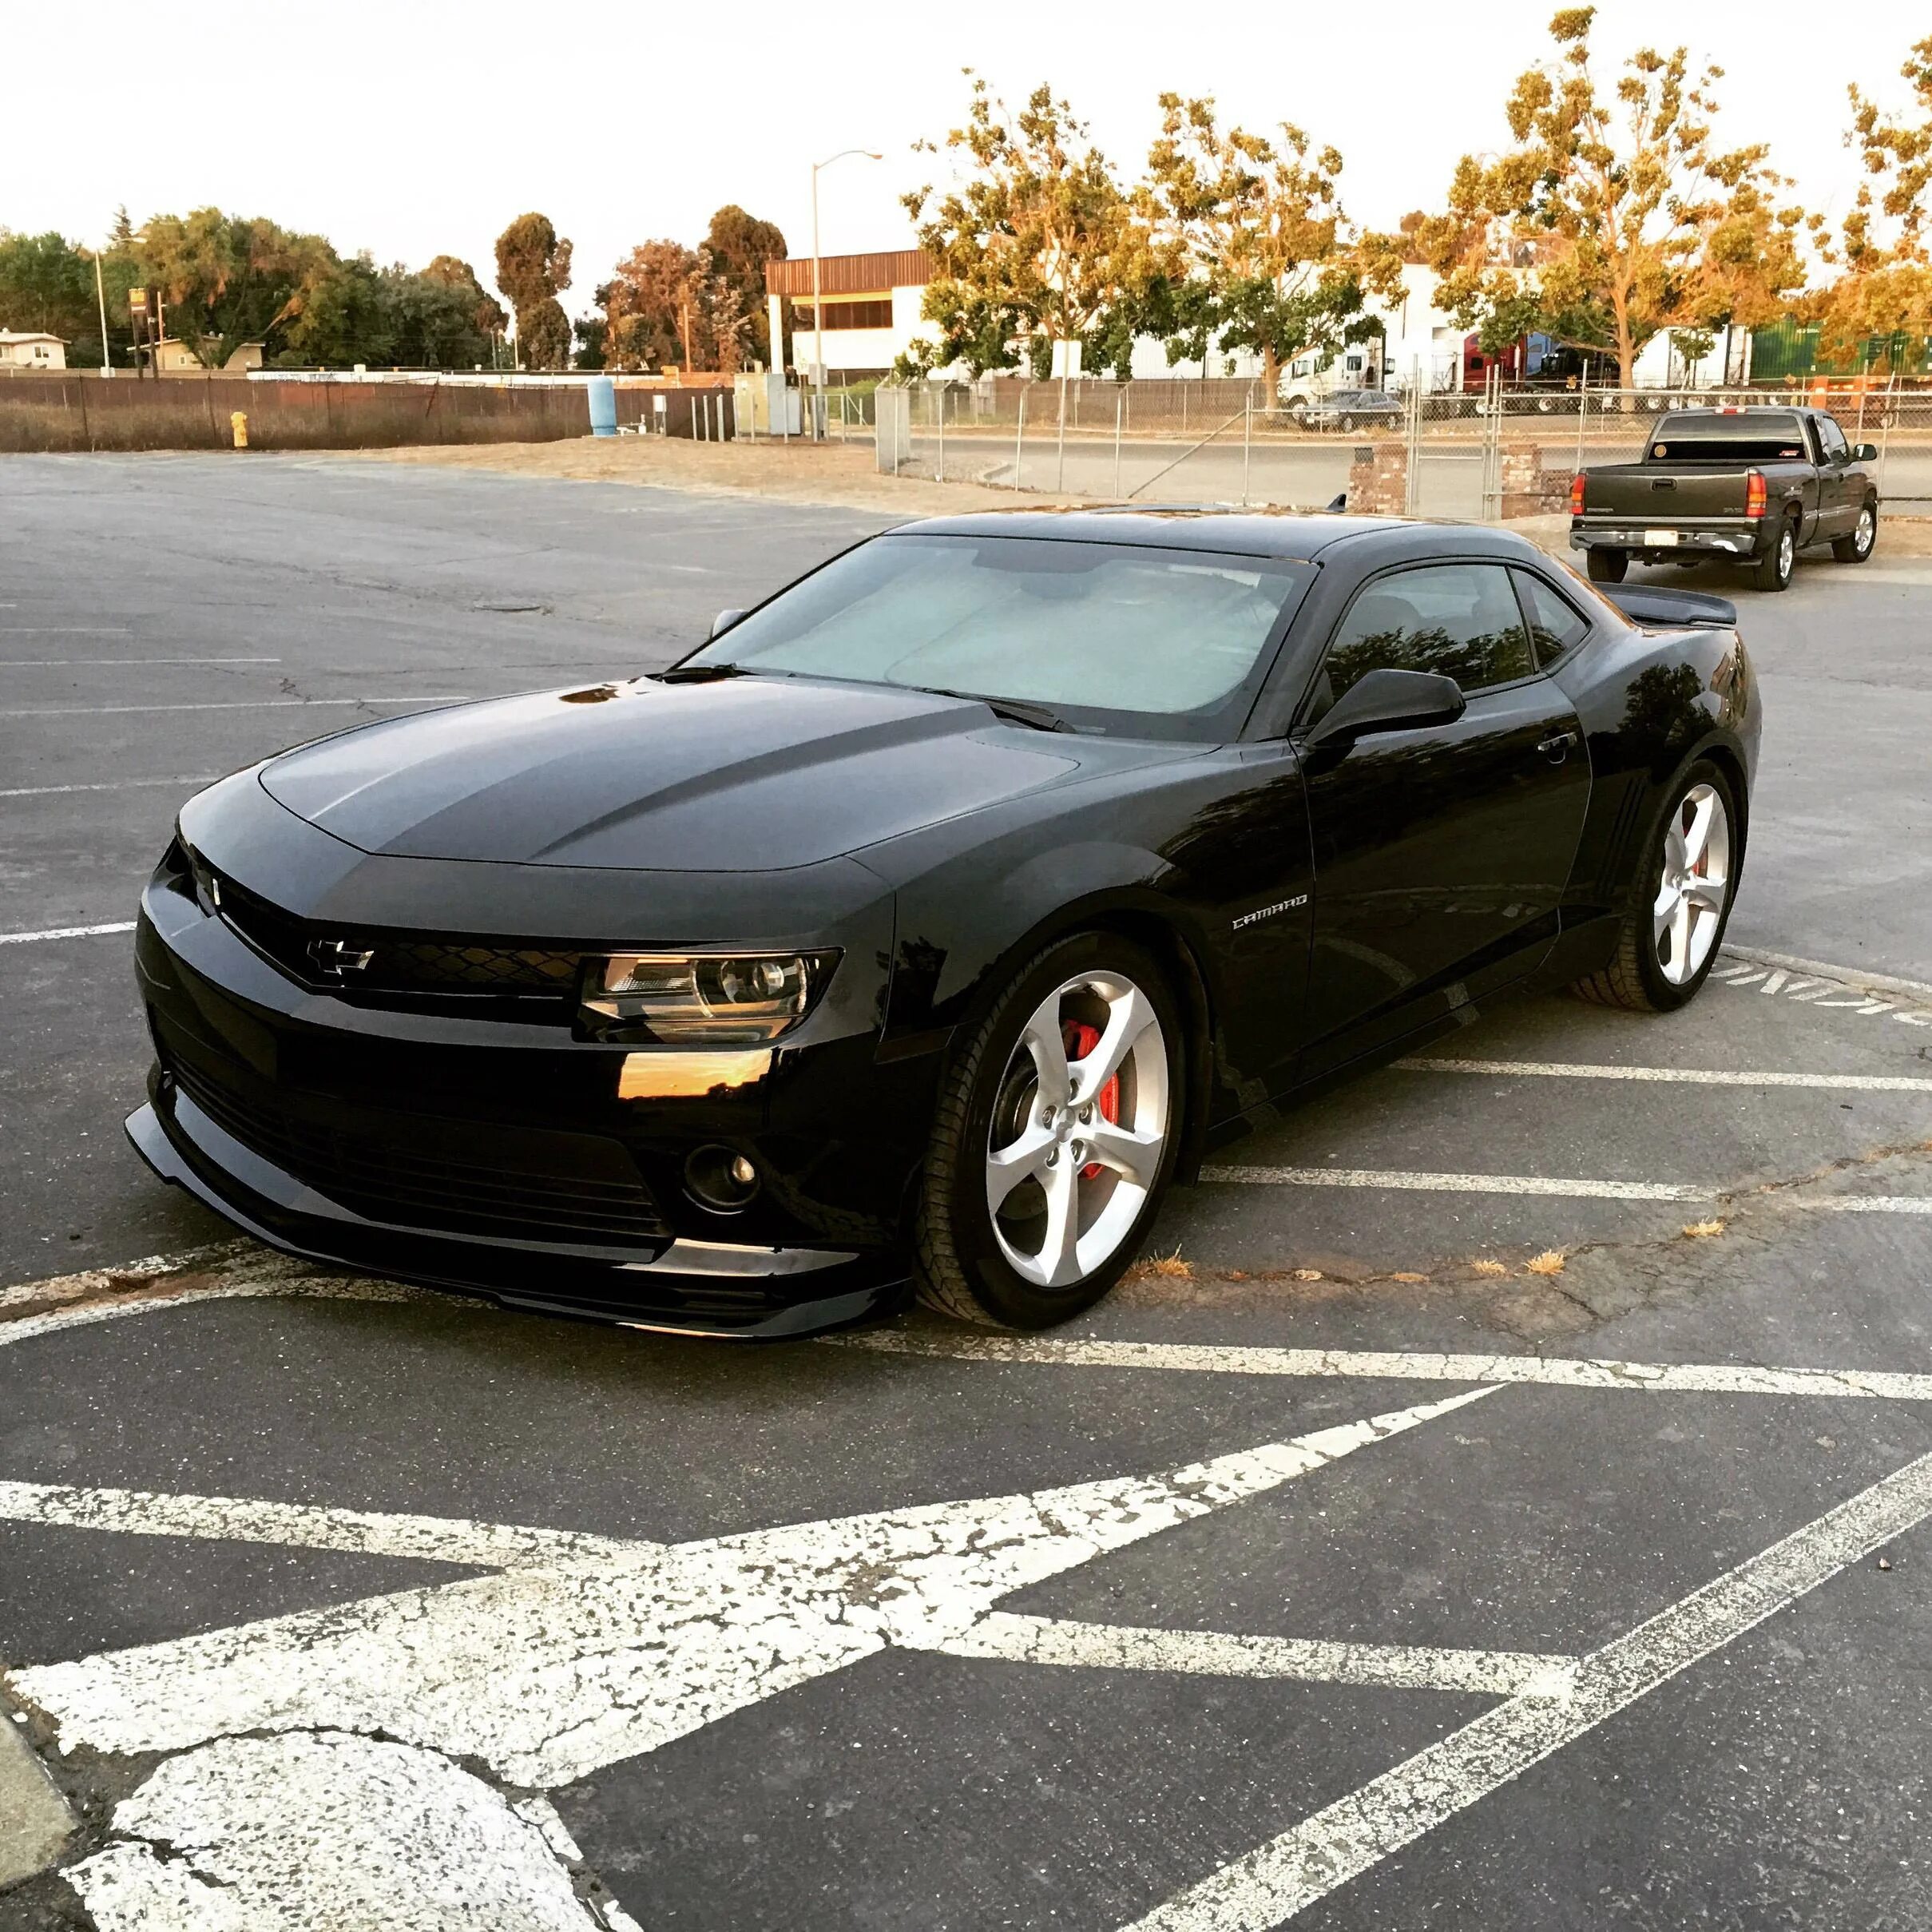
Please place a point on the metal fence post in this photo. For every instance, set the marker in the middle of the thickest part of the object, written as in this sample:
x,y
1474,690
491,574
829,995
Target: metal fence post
x,y
942,435
1412,482
1583,409
1248,420
1119,408
1019,440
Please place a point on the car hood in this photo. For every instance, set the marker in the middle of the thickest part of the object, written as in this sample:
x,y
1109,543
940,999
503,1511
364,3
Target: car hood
x,y
740,775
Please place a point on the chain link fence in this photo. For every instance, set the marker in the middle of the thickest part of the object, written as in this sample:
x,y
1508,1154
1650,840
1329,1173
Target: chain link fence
x,y
1468,454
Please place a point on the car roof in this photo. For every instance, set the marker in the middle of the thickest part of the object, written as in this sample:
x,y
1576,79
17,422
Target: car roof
x,y
1302,535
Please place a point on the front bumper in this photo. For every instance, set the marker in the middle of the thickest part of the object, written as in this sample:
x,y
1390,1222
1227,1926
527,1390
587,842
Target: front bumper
x,y
691,1287
511,1158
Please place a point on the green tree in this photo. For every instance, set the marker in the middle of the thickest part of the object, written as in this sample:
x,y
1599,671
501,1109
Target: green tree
x,y
229,279
533,269
1034,246
1247,234
740,245
1615,215
46,286
486,315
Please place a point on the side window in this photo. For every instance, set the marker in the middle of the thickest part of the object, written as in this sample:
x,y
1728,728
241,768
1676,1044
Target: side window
x,y
1459,619
1831,440
1556,624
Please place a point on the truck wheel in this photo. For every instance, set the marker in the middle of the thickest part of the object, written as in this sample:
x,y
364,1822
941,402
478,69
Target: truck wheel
x,y
1774,568
1606,566
1857,547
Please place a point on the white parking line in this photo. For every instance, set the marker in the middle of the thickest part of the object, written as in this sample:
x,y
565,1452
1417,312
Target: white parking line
x,y
1547,1371
1344,1840
1215,1653
67,932
1869,1204
118,784
103,711
1696,1077
1455,1184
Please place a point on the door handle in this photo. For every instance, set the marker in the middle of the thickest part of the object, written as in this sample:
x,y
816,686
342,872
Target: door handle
x,y
1555,748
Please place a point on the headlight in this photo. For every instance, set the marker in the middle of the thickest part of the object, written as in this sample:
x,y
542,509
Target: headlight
x,y
699,999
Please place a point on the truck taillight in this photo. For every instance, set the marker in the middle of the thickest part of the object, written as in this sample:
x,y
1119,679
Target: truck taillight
x,y
1576,495
1755,497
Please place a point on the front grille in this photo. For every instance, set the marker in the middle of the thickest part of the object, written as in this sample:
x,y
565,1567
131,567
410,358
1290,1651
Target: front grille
x,y
410,965
543,1185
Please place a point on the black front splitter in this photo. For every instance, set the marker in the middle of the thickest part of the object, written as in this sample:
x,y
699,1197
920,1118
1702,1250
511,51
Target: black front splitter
x,y
188,1150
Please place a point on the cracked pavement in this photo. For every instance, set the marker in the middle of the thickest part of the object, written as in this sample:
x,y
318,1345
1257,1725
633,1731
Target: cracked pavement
x,y
474,1619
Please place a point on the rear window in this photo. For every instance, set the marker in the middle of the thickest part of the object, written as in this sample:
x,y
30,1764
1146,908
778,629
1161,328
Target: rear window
x,y
1753,436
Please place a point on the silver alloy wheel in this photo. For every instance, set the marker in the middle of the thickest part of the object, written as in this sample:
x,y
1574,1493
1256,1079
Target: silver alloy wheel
x,y
1867,528
1787,552
1071,1156
1690,901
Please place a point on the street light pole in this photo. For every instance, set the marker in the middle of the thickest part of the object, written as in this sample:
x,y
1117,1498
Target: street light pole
x,y
100,296
817,298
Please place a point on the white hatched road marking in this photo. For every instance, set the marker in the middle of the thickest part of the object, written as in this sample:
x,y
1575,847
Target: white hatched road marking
x,y
1841,989
1257,1176
1853,976
1704,1076
67,932
1549,1371
1278,1879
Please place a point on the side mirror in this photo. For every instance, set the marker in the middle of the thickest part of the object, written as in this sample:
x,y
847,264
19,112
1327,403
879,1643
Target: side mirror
x,y
1865,452
1389,700
724,620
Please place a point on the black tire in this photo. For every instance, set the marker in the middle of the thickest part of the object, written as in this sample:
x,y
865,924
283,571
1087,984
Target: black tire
x,y
1635,977
959,1268
1772,571
1855,548
1606,566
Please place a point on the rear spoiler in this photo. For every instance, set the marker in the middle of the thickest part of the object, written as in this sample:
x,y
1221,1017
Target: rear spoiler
x,y
1671,609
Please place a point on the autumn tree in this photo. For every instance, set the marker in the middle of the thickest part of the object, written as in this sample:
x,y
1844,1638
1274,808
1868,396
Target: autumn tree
x,y
228,280
1032,249
643,305
1248,243
740,245
485,312
1883,249
533,269
1616,214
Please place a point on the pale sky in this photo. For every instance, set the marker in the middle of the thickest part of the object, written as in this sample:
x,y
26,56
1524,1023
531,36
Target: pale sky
x,y
416,129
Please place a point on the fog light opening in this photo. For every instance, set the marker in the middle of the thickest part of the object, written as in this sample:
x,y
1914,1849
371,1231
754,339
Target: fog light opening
x,y
721,1179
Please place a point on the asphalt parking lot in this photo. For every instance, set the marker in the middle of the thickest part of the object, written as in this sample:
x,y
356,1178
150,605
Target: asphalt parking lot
x,y
1434,1532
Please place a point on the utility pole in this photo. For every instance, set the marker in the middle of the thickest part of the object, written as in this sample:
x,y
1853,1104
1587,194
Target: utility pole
x,y
107,368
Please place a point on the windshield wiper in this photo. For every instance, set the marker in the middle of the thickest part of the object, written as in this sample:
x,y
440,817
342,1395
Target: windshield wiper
x,y
1017,711
697,674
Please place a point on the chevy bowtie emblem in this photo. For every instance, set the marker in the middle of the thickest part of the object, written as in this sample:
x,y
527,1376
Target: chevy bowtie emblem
x,y
336,956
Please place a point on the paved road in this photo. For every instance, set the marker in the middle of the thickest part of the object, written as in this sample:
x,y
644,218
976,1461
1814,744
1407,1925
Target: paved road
x,y
1309,1580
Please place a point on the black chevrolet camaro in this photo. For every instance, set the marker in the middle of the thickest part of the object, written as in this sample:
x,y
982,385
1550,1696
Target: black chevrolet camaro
x,y
922,927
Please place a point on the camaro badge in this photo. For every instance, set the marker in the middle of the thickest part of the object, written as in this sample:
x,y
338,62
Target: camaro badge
x,y
336,956
1268,912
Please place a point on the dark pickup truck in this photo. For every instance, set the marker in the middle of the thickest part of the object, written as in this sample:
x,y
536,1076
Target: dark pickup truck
x,y
1750,486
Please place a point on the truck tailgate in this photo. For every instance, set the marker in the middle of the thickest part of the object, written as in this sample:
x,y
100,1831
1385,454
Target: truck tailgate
x,y
1653,494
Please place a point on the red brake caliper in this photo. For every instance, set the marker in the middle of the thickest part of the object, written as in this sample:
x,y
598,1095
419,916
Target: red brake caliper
x,y
1081,1039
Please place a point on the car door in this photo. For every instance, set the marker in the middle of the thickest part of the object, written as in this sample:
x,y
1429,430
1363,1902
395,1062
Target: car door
x,y
1840,491
1440,854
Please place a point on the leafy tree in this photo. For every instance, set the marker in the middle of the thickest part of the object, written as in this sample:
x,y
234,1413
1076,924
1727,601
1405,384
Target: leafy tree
x,y
1615,215
46,285
486,315
643,305
1885,287
1034,246
740,245
533,269
1247,233
593,335
341,315
229,279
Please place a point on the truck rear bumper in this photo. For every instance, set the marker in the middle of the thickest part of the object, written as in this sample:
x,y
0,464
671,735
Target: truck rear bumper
x,y
1665,540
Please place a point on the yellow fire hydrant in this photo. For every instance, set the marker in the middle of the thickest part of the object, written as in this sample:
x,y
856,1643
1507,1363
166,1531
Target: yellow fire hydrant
x,y
239,422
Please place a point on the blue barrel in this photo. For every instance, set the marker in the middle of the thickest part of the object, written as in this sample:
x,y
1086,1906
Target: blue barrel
x,y
603,393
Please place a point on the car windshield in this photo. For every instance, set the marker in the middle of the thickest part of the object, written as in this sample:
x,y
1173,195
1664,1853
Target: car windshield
x,y
1140,641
